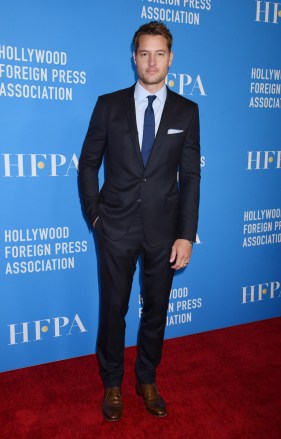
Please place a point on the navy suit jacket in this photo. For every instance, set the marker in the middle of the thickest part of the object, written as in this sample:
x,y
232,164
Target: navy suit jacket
x,y
167,189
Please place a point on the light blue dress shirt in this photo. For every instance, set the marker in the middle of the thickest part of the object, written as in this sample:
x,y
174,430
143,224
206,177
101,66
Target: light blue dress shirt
x,y
141,103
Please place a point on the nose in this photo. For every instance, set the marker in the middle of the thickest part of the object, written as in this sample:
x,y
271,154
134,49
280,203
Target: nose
x,y
151,60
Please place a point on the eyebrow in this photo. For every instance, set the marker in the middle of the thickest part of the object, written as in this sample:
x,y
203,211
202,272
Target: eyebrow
x,y
158,50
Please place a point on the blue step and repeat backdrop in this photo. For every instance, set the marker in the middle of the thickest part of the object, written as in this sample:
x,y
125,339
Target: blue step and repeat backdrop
x,y
55,59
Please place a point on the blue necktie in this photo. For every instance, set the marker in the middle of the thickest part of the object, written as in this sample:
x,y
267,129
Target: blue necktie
x,y
148,130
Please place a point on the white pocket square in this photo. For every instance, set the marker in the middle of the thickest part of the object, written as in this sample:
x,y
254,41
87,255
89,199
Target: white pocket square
x,y
173,131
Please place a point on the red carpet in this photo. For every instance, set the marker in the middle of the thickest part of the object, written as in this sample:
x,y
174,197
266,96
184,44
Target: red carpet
x,y
223,384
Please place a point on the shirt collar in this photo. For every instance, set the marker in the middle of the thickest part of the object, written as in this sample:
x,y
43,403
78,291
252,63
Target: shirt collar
x,y
141,93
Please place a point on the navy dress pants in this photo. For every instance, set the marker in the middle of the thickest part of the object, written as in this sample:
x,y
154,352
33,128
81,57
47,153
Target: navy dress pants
x,y
117,264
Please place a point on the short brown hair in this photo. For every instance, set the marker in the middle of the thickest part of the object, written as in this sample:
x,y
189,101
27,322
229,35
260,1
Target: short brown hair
x,y
153,28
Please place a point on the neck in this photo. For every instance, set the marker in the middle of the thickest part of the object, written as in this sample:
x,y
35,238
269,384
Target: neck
x,y
152,88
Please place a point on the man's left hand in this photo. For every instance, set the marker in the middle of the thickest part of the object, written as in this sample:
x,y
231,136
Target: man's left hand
x,y
181,253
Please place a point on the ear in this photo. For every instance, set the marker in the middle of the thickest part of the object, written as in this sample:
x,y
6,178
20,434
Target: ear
x,y
171,58
134,57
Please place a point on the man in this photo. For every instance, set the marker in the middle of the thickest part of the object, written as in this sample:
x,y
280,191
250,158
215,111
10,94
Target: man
x,y
147,208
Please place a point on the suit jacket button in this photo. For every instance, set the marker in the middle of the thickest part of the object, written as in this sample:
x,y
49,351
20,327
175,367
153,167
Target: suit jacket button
x,y
144,179
138,200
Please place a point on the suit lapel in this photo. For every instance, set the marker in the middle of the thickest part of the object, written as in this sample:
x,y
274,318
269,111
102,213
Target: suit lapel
x,y
131,117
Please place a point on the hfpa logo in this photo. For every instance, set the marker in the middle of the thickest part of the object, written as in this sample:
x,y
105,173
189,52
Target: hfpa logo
x,y
256,293
35,165
263,160
185,84
37,330
268,12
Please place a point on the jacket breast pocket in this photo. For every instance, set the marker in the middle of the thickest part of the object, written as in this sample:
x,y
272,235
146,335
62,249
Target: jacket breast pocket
x,y
175,135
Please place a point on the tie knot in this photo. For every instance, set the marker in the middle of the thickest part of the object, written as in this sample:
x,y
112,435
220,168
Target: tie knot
x,y
151,98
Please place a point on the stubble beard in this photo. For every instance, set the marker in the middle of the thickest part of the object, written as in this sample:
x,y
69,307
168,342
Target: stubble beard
x,y
154,80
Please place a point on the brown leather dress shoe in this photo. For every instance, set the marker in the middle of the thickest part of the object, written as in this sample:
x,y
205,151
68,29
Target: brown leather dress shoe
x,y
154,402
112,404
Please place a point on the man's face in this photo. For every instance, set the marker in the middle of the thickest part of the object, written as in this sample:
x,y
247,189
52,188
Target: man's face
x,y
152,60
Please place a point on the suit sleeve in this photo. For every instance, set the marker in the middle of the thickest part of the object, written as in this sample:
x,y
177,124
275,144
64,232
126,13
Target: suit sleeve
x,y
189,180
90,161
